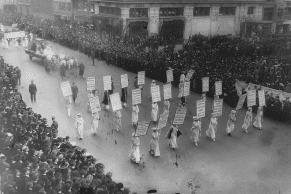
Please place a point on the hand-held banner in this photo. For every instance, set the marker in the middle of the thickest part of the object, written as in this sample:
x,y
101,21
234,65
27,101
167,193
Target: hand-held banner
x,y
156,95
95,104
180,116
136,96
200,108
91,83
218,88
205,84
217,107
262,98
252,101
186,89
170,76
140,77
124,81
115,102
190,74
163,120
107,82
241,101
167,91
142,128
66,88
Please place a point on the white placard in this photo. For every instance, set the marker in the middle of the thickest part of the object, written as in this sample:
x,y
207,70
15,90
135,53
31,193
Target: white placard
x,y
241,101
142,128
205,84
170,76
180,116
252,98
262,98
156,95
136,96
186,89
217,107
95,104
66,88
107,82
140,77
218,88
163,120
19,34
167,91
115,102
190,74
200,108
124,81
91,83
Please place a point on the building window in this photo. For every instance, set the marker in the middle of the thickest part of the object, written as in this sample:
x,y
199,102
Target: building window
x,y
227,10
280,13
110,10
268,13
171,11
201,11
251,10
138,12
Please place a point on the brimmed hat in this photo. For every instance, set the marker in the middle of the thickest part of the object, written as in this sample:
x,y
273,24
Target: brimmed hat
x,y
79,114
154,128
233,111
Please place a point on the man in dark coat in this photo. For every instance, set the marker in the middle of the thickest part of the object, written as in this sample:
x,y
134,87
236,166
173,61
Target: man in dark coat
x,y
81,69
32,91
75,91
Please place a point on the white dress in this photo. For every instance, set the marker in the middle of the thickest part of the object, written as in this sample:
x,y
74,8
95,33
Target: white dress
x,y
196,130
117,120
166,106
69,105
154,145
212,128
95,122
247,120
134,117
155,110
181,89
258,119
173,139
79,127
134,154
230,123
182,78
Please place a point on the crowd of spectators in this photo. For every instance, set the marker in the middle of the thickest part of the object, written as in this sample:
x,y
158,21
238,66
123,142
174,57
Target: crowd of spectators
x,y
219,57
34,160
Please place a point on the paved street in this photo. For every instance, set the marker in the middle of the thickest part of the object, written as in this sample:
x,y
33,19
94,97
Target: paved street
x,y
257,163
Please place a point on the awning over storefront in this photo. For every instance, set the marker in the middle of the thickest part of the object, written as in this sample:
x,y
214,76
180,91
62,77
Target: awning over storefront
x,y
172,18
258,21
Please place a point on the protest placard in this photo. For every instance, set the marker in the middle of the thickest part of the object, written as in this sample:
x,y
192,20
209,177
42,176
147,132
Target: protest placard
x,y
95,104
190,74
140,77
66,88
163,120
167,91
186,89
262,98
19,34
200,108
252,98
115,102
217,107
241,101
91,83
170,76
218,88
142,128
205,84
180,116
124,81
136,96
107,82
156,95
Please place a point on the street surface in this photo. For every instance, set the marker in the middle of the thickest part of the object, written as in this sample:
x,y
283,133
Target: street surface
x,y
255,163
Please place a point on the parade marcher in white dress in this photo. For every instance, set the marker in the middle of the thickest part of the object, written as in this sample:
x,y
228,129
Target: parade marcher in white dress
x,y
152,85
230,122
135,111
154,145
90,95
26,41
69,101
95,122
79,124
212,128
181,89
166,105
155,111
259,118
182,77
134,154
196,131
248,119
172,135
117,120
203,96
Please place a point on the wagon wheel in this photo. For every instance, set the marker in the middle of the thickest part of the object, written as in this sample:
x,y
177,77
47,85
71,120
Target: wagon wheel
x,y
30,57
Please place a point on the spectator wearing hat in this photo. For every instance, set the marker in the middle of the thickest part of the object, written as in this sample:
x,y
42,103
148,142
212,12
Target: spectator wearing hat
x,y
230,122
196,130
154,144
32,91
79,125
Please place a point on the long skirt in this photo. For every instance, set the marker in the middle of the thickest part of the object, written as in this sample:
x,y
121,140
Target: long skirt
x,y
173,142
134,154
95,125
258,122
155,148
134,118
230,126
79,132
195,135
211,131
154,115
246,124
